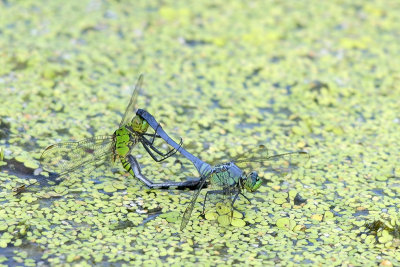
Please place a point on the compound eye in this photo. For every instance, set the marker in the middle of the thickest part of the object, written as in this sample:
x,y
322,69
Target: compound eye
x,y
254,175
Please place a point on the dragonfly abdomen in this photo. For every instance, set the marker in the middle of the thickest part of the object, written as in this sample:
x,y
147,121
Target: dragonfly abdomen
x,y
127,166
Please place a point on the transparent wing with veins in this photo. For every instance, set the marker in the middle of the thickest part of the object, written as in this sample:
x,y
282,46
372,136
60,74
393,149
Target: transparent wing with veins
x,y
67,157
130,111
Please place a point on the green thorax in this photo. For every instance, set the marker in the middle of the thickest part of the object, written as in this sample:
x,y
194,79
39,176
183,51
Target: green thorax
x,y
227,174
128,135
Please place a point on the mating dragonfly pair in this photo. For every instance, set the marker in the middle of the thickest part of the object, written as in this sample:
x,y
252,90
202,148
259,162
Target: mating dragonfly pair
x,y
227,180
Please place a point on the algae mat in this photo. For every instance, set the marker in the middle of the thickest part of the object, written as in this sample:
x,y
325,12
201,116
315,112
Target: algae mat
x,y
320,76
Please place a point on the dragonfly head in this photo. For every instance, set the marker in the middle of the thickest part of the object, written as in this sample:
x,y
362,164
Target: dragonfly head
x,y
139,124
253,182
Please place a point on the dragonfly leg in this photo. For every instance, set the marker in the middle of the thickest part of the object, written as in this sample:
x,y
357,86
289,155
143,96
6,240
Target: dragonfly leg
x,y
211,192
235,198
146,142
173,151
151,153
132,166
233,203
155,133
164,156
245,197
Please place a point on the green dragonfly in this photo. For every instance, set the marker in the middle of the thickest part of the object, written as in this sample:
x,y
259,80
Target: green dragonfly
x,y
228,181
64,158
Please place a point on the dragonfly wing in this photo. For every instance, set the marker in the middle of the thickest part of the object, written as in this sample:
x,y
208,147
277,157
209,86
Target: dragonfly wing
x,y
288,161
130,109
285,162
69,156
189,208
256,153
223,189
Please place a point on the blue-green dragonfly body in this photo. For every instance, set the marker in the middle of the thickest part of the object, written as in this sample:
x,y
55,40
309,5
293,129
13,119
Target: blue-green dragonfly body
x,y
228,179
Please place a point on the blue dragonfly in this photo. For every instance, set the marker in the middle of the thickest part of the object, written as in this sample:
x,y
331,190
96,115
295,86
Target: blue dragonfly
x,y
229,180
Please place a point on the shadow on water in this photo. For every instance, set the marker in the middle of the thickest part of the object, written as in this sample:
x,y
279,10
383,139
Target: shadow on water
x,y
19,170
25,181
